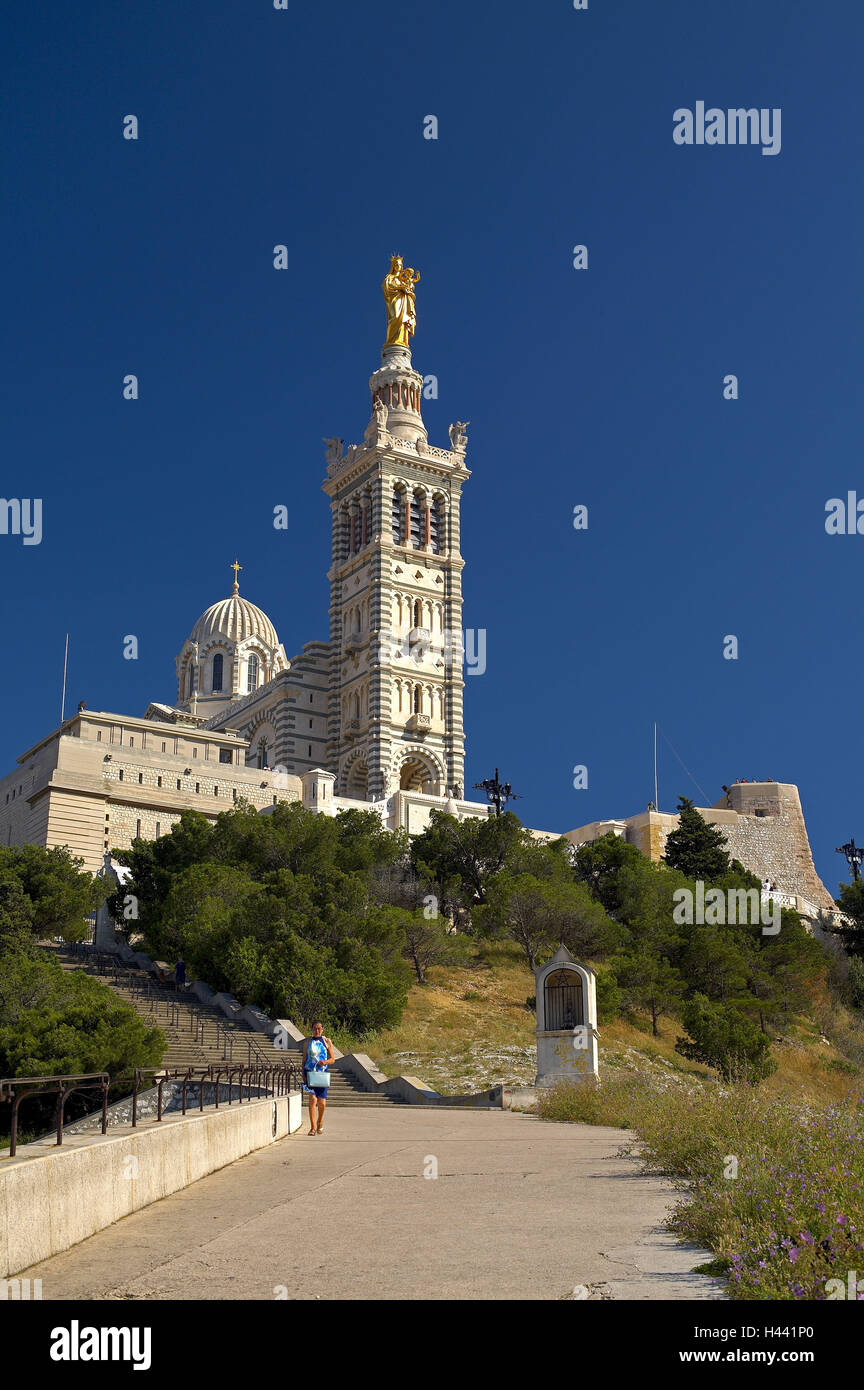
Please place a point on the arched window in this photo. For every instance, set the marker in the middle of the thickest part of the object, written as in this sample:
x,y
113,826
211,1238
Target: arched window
x,y
563,999
191,679
398,516
436,526
252,674
217,671
343,547
262,753
418,518
418,613
418,699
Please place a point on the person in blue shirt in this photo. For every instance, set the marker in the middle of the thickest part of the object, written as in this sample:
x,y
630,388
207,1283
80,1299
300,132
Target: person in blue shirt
x,y
317,1054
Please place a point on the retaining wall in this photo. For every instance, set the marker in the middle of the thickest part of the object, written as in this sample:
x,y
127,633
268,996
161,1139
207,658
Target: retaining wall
x,y
51,1198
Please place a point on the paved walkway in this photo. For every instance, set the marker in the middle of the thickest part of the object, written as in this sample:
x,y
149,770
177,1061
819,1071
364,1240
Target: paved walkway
x,y
521,1209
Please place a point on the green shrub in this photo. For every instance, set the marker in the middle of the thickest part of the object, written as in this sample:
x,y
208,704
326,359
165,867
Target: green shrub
x,y
723,1038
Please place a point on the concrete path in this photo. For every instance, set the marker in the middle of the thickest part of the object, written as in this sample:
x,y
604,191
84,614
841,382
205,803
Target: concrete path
x,y
520,1209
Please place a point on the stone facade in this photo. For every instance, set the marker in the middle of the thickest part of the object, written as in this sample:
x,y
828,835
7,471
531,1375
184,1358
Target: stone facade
x,y
103,780
395,707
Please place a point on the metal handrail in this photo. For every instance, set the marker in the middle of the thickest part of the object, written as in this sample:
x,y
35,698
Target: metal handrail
x,y
199,1017
52,1085
276,1079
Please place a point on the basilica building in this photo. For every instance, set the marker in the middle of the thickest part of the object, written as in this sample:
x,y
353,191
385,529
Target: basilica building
x,y
380,703
371,717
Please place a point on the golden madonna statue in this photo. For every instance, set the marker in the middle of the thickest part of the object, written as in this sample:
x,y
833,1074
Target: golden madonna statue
x,y
398,290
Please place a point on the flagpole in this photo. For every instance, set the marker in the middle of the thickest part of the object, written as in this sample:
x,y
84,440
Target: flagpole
x,y
65,664
656,798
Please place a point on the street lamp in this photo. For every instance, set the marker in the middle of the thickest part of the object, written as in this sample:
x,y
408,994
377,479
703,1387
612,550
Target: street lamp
x,y
854,856
499,793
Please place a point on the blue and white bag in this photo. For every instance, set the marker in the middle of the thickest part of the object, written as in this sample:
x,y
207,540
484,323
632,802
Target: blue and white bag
x,y
318,1073
317,1078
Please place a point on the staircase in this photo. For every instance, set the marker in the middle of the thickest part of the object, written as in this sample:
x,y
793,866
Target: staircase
x,y
199,1035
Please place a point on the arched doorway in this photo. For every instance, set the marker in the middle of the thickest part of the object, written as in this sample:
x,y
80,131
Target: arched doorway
x,y
415,775
357,787
563,1000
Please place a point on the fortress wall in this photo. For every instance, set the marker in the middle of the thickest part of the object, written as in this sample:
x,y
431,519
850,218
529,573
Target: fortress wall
x,y
764,827
774,843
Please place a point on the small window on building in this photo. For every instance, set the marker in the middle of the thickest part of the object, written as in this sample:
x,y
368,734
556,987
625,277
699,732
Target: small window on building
x,y
137,830
163,747
215,791
98,735
311,697
158,781
274,800
194,752
310,750
120,775
178,784
197,787
140,777
224,755
234,794
131,741
760,812
310,723
157,830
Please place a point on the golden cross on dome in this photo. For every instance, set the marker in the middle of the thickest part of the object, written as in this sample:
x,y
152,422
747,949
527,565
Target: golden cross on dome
x,y
236,568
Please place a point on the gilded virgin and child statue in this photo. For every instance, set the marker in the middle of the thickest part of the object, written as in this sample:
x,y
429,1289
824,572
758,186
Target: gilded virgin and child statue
x,y
398,290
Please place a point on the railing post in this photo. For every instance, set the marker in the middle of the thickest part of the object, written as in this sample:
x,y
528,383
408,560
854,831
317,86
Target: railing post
x,y
61,1101
13,1139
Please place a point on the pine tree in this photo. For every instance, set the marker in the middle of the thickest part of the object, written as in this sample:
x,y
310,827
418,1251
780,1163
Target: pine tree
x,y
696,848
851,929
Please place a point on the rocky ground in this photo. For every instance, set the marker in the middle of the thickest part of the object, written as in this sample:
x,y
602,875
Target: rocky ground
x,y
461,1073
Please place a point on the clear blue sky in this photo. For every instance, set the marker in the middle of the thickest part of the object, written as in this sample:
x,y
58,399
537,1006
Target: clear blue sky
x,y
602,387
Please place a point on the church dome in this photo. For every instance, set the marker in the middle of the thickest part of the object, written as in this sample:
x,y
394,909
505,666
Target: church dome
x,y
237,619
231,652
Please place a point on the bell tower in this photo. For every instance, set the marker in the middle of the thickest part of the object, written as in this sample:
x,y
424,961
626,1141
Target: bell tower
x,y
395,698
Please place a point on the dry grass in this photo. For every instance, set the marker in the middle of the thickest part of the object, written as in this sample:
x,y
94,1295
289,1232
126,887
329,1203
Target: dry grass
x,y
469,1028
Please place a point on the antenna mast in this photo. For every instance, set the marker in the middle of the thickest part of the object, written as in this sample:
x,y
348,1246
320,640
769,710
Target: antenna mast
x,y
63,696
656,798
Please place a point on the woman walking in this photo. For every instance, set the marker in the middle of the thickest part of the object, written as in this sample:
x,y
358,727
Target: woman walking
x,y
317,1056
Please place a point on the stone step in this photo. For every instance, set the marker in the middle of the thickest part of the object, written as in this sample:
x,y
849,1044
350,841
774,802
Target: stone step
x,y
183,1050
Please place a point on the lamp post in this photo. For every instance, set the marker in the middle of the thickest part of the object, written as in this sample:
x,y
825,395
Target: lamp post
x,y
854,856
499,793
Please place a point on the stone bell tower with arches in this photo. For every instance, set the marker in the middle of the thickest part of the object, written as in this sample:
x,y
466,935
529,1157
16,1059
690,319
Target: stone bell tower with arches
x,y
395,695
